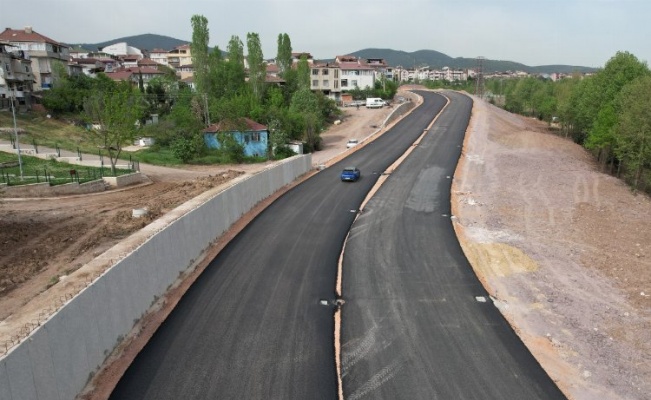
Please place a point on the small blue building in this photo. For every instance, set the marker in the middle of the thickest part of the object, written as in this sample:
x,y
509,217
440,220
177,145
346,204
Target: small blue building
x,y
250,134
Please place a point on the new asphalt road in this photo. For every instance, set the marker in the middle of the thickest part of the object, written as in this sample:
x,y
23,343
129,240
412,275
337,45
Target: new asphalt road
x,y
253,325
259,322
412,325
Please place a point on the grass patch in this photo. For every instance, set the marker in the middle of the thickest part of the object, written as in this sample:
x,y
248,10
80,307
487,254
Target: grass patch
x,y
37,170
155,156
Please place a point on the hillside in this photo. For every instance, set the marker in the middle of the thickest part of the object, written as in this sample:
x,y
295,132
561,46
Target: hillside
x,y
437,59
394,58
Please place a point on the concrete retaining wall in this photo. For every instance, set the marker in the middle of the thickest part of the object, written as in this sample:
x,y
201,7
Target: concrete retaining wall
x,y
123,180
56,360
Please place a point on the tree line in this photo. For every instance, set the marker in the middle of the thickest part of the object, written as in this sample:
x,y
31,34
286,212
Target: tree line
x,y
608,113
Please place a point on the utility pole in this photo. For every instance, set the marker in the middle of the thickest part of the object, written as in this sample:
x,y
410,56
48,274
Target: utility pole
x,y
13,113
479,83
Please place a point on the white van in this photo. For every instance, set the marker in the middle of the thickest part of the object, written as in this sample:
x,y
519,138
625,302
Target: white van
x,y
374,102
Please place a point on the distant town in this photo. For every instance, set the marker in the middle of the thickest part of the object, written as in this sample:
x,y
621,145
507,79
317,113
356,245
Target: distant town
x,y
27,58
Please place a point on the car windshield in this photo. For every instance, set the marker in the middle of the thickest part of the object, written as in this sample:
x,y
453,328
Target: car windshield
x,y
349,169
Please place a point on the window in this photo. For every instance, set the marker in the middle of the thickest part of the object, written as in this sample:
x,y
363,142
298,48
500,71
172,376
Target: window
x,y
315,71
324,71
336,84
315,83
326,83
336,73
354,83
344,83
255,136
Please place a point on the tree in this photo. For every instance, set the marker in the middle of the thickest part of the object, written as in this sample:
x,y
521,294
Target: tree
x,y
284,56
633,130
619,71
200,59
303,72
68,92
306,104
257,67
117,113
234,67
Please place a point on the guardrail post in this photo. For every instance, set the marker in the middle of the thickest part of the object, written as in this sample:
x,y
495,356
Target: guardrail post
x,y
35,146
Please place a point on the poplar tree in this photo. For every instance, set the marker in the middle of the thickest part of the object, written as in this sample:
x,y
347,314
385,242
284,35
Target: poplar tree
x,y
257,68
284,56
199,48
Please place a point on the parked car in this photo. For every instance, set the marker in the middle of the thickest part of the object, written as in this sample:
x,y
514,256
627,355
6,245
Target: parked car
x,y
352,143
350,174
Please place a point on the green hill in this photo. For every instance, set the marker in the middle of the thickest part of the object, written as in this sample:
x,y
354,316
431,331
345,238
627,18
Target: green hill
x,y
436,59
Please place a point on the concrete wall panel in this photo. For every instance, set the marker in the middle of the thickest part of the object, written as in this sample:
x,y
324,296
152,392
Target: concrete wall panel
x,y
20,374
59,357
66,334
5,390
40,356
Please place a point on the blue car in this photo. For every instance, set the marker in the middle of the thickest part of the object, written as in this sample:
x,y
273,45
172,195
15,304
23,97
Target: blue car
x,y
350,174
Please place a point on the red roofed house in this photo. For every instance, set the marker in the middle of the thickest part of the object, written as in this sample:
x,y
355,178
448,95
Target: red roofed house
x,y
133,74
250,134
42,52
355,72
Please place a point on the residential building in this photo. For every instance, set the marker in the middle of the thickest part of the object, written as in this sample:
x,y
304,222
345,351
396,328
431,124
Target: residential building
x,y
180,55
134,75
42,51
16,77
159,56
90,66
355,73
325,77
185,71
250,134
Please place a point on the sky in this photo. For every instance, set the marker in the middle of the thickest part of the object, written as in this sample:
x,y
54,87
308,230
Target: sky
x,y
533,32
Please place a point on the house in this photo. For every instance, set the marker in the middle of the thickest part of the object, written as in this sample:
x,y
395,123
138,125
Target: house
x,y
90,66
42,51
133,75
324,77
250,134
16,78
355,73
180,55
159,56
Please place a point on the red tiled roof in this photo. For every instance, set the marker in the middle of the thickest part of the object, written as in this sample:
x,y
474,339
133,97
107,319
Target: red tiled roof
x,y
147,61
120,75
353,65
232,125
21,35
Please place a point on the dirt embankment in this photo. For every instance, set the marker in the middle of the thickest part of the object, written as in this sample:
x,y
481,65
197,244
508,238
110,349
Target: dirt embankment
x,y
563,248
